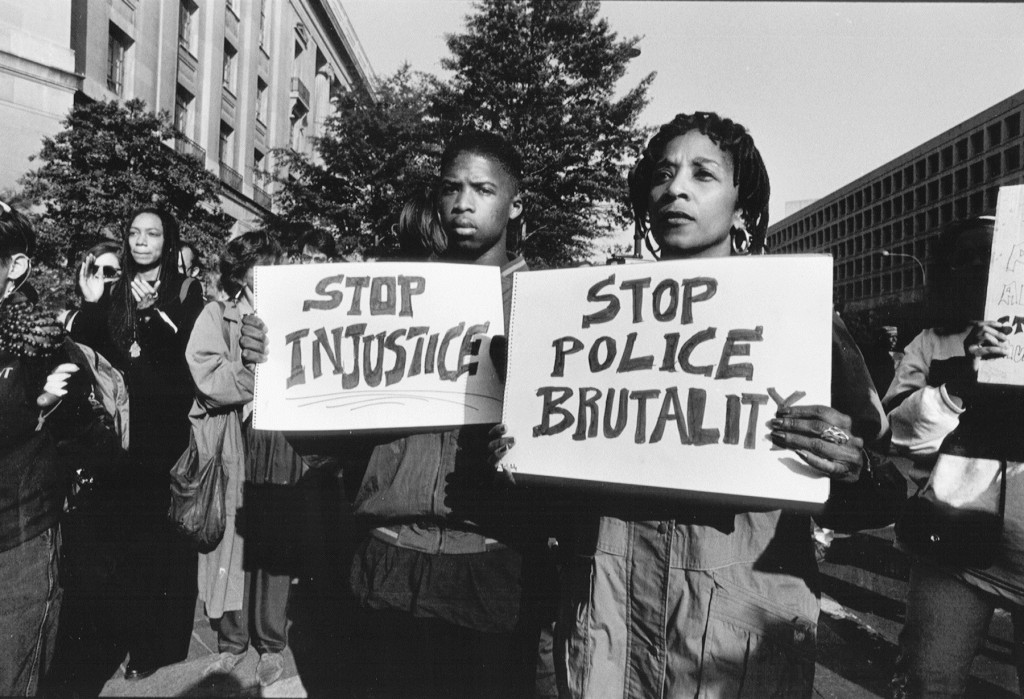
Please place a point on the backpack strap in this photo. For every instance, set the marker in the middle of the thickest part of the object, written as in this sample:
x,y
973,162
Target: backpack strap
x,y
185,285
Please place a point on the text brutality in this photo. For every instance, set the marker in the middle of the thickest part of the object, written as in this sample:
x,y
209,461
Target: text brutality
x,y
606,412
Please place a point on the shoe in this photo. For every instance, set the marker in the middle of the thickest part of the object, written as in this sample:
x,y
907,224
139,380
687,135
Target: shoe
x,y
269,668
224,663
133,673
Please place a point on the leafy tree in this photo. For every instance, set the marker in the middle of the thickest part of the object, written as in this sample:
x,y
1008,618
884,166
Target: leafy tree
x,y
373,153
543,73
109,159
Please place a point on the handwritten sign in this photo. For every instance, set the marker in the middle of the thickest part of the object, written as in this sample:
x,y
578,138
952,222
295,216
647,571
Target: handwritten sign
x,y
1004,300
663,376
377,345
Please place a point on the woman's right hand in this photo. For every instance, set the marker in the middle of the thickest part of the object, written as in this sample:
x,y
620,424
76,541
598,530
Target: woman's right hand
x,y
987,339
253,340
89,280
500,445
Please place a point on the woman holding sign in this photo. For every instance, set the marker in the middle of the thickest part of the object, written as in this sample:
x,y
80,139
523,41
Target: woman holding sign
x,y
667,600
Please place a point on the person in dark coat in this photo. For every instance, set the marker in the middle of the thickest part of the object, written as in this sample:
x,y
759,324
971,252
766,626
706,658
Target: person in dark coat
x,y
142,327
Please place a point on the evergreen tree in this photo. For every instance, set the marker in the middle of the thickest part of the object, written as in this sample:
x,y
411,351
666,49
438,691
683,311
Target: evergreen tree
x,y
543,73
109,159
373,153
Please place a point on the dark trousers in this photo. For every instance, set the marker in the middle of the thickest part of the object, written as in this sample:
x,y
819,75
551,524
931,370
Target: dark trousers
x,y
401,655
29,607
265,606
159,579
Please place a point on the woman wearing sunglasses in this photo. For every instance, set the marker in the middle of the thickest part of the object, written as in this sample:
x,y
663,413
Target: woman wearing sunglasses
x,y
99,269
142,325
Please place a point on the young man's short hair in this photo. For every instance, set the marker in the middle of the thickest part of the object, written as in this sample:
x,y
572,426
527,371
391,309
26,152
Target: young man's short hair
x,y
488,145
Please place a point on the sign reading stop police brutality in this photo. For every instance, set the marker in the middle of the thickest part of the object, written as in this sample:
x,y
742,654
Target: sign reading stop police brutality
x,y
664,375
362,346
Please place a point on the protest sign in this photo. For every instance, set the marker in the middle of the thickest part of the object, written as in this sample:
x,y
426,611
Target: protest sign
x,y
663,376
384,345
1004,300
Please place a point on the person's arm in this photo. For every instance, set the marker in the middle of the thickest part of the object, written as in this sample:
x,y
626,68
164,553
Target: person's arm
x,y
831,438
221,379
930,395
164,328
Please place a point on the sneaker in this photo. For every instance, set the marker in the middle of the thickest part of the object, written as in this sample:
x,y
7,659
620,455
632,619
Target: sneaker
x,y
269,668
224,663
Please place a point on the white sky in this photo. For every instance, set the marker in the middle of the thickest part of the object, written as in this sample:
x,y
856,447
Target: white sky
x,y
830,91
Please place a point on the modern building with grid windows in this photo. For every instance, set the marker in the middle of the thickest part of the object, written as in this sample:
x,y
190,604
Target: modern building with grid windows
x,y
880,228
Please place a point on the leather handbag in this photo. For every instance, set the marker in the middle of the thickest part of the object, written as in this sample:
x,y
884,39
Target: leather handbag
x,y
199,482
957,517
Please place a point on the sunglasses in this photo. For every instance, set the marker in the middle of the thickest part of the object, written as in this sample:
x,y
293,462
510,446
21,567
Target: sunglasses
x,y
108,272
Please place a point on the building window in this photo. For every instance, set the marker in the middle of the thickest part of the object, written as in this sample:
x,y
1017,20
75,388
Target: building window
x,y
995,134
186,24
117,50
961,150
1013,125
183,101
230,55
226,145
261,100
977,143
1012,158
264,26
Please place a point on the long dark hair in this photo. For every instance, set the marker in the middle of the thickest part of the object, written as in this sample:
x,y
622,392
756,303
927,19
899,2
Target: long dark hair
x,y
748,172
123,311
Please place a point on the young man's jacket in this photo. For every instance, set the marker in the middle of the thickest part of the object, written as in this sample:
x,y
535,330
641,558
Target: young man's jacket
x,y
431,492
37,456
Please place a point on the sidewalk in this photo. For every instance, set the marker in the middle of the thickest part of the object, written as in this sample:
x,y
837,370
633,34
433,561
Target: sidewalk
x,y
864,582
183,679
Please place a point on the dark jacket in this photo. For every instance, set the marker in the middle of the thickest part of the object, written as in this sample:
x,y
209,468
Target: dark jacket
x,y
37,457
433,491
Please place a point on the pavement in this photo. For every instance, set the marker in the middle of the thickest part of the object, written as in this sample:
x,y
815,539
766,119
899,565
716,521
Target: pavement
x,y
184,679
864,584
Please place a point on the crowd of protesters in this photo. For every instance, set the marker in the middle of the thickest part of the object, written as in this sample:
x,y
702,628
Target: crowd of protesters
x,y
458,582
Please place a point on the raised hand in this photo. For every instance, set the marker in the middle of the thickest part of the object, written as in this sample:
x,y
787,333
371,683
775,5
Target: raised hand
x,y
89,280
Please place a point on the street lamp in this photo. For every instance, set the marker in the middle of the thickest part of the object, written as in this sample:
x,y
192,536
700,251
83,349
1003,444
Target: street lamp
x,y
924,274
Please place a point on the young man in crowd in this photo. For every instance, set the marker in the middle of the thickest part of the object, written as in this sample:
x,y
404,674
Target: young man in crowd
x,y
439,587
47,429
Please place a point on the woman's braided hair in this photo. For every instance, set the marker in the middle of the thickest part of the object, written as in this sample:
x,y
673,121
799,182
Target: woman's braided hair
x,y
749,172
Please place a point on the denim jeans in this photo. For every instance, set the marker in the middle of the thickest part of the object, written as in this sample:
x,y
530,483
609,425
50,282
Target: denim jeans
x,y
947,622
29,607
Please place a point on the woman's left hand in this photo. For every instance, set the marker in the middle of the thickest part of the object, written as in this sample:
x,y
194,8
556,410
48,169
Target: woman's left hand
x,y
822,437
144,293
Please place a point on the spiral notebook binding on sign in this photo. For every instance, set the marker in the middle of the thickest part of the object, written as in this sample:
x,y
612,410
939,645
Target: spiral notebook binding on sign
x,y
256,373
508,465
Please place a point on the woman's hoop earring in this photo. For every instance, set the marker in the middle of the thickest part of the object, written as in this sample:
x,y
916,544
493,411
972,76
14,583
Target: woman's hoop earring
x,y
741,240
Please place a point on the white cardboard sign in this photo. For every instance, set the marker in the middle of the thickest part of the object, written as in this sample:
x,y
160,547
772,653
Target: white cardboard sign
x,y
382,345
663,376
1004,300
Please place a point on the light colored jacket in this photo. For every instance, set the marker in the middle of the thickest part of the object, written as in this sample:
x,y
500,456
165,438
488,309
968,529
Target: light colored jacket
x,y
921,426
684,601
222,383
